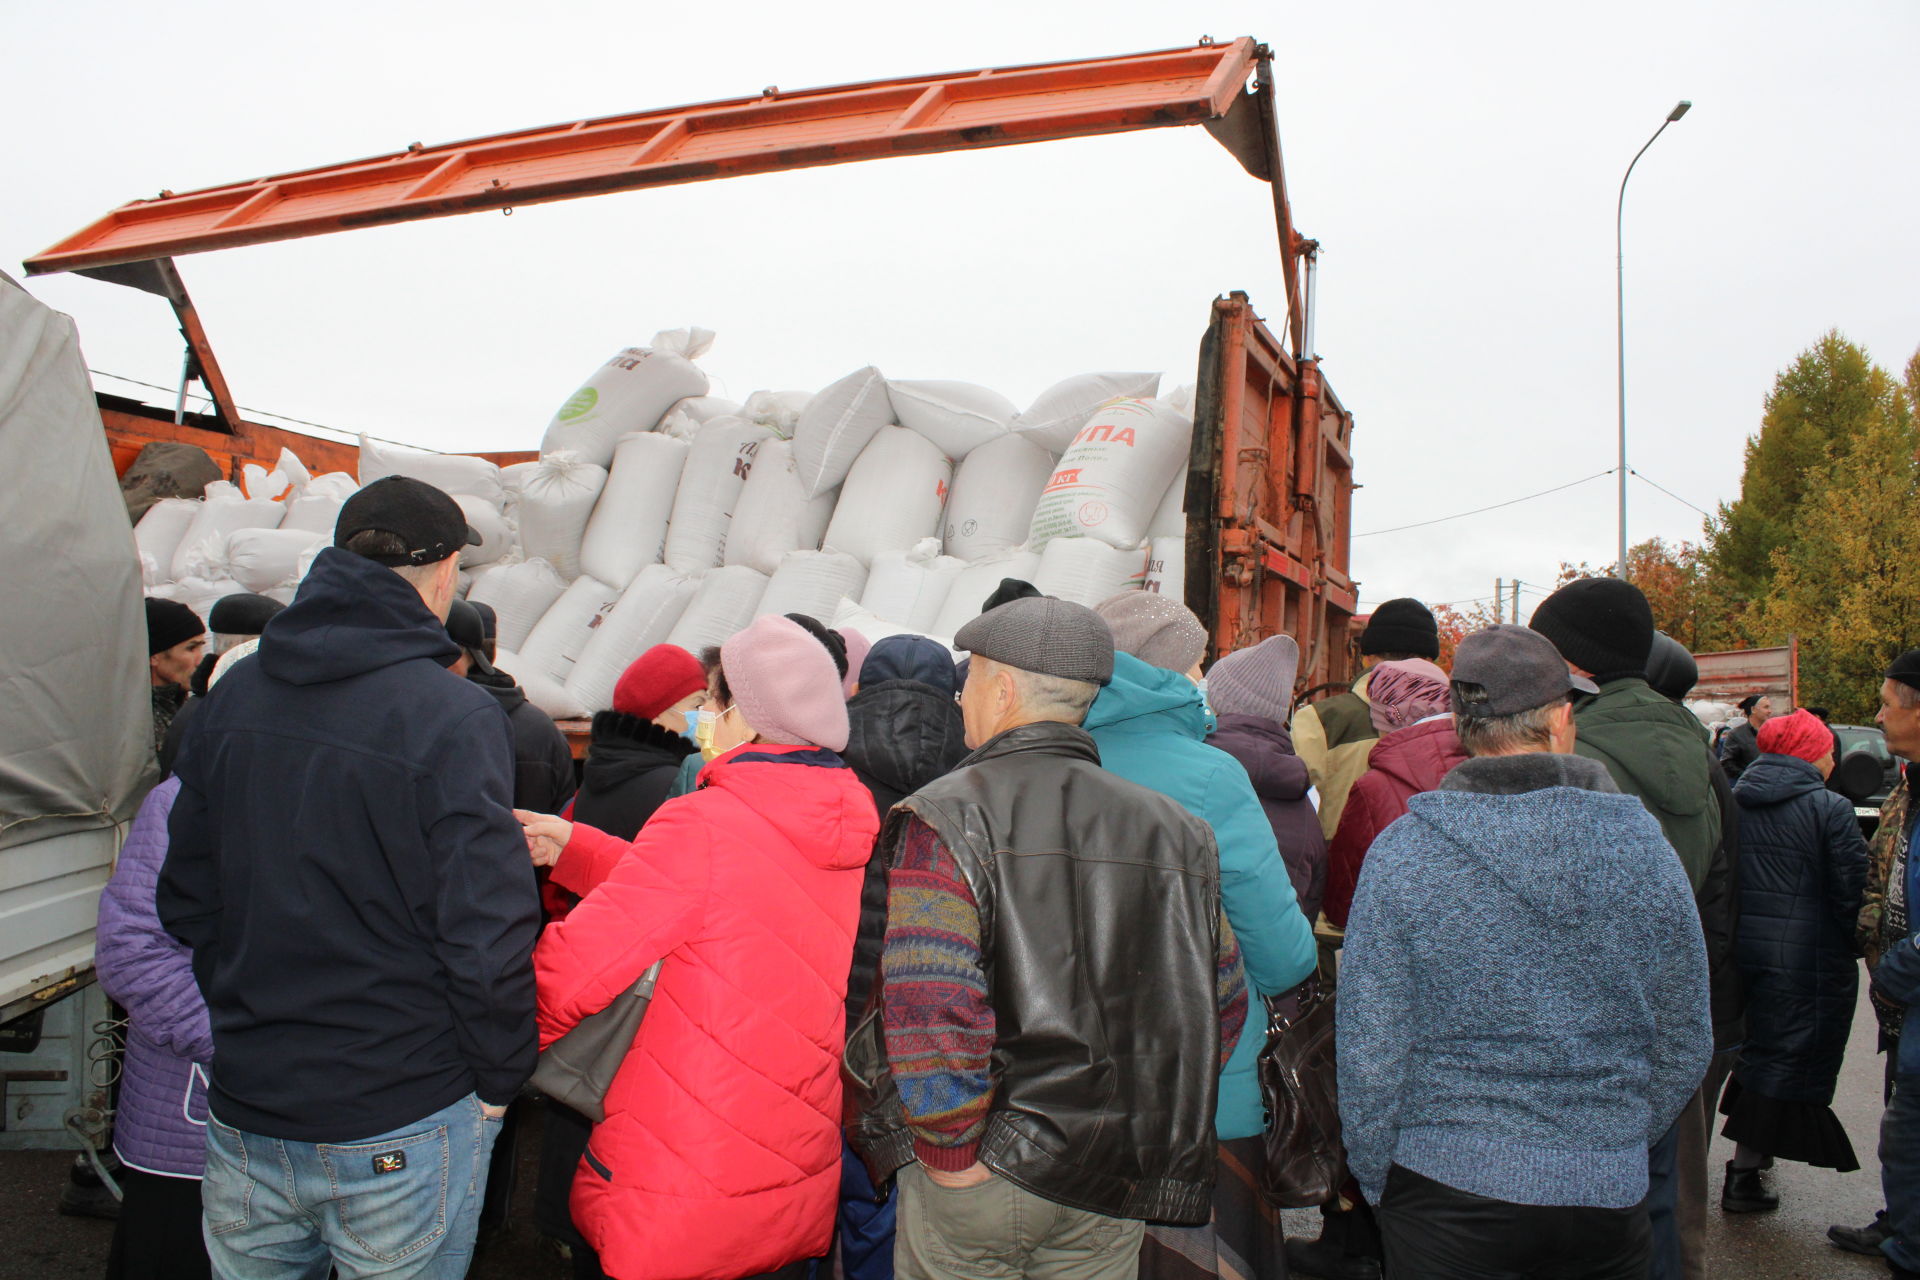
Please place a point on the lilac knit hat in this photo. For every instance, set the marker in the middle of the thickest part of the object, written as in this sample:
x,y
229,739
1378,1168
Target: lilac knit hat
x,y
858,647
786,684
1256,681
1400,693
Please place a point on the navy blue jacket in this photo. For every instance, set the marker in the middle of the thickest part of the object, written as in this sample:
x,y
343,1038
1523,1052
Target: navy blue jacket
x,y
345,867
1803,866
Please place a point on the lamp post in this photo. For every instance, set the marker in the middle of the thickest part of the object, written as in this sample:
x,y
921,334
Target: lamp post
x,y
1620,323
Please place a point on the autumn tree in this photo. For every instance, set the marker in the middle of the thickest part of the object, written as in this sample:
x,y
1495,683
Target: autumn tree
x,y
1670,575
1456,626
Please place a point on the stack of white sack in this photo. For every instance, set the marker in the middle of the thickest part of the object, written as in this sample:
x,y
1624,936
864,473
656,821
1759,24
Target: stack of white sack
x,y
874,628
725,603
519,595
772,514
909,588
1058,413
641,618
556,502
994,493
628,529
892,498
1167,543
316,506
719,464
972,585
1087,570
631,392
454,473
812,582
1113,475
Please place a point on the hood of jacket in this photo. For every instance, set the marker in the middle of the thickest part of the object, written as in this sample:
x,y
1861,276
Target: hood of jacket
x,y
623,746
1145,699
808,794
351,616
1546,827
1265,749
1419,755
903,733
1658,744
1774,779
502,686
914,659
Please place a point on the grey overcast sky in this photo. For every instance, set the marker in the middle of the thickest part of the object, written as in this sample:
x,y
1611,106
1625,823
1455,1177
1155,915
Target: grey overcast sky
x,y
1459,164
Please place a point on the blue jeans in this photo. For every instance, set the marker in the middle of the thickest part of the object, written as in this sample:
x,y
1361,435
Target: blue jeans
x,y
403,1205
1900,1172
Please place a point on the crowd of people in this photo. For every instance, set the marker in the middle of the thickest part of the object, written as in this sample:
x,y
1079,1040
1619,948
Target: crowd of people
x,y
963,972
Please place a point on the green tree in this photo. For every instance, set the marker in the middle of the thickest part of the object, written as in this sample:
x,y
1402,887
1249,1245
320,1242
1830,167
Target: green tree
x,y
1828,397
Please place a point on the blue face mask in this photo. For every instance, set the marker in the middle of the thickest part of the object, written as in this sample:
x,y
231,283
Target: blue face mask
x,y
691,732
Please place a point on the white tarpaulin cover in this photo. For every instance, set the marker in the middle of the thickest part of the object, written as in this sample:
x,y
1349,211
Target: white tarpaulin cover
x,y
76,718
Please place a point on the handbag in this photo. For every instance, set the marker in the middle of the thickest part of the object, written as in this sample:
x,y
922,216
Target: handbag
x,y
578,1068
1306,1163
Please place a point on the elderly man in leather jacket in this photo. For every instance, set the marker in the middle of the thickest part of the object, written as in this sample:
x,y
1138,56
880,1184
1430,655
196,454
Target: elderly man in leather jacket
x,y
1058,985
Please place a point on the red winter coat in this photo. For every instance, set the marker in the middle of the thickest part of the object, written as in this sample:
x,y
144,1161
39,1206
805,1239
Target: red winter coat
x,y
720,1153
1401,766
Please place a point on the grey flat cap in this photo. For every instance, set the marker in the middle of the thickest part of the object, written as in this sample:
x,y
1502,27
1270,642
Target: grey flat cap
x,y
1509,669
1043,635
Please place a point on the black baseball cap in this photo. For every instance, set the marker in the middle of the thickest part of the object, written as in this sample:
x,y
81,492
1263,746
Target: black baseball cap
x,y
430,523
469,631
1507,669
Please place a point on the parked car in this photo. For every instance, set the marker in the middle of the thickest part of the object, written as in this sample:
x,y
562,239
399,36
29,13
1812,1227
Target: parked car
x,y
1866,740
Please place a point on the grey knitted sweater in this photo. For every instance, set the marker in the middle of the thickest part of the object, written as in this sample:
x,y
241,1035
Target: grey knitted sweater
x,y
1523,996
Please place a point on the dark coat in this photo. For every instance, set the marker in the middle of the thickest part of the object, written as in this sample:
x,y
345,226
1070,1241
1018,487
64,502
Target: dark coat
x,y
1739,747
630,768
542,761
1264,749
1719,903
903,731
1402,764
1803,867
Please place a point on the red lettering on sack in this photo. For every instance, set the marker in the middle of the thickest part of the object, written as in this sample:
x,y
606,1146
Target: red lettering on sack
x,y
1106,431
1064,479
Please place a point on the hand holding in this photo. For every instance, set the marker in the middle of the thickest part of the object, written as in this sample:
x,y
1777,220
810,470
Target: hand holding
x,y
547,836
971,1176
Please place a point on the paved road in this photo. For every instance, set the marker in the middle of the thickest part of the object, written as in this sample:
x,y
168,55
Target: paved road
x,y
38,1244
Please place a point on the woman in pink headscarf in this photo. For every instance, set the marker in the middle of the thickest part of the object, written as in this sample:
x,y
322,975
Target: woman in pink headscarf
x,y
1412,709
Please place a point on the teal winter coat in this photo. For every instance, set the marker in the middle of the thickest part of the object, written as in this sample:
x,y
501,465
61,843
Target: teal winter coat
x,y
1151,728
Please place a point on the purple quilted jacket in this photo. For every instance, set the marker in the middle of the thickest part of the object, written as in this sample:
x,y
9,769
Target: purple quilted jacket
x,y
162,1123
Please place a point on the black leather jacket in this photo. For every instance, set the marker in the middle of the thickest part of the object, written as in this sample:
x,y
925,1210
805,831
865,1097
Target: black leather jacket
x,y
1099,922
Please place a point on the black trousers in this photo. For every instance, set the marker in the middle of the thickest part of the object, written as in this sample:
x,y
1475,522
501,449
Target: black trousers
x,y
157,1236
1435,1232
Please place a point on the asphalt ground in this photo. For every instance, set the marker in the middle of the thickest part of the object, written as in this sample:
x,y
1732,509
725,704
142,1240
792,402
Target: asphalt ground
x,y
36,1243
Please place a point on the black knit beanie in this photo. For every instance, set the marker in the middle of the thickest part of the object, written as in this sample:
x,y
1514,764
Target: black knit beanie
x,y
1402,626
170,623
1010,589
242,614
1601,625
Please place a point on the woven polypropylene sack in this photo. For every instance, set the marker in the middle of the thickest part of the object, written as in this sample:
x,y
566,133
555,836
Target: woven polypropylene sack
x,y
542,690
520,595
958,417
628,530
1057,414
561,635
994,493
724,604
631,392
642,617
850,616
1167,567
218,519
453,473
1170,517
1087,571
262,559
837,425
812,582
978,581
893,497
909,588
556,502
496,536
158,536
1111,478
719,464
773,514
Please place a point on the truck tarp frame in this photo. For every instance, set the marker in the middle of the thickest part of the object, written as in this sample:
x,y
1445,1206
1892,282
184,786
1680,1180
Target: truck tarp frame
x,y
1203,84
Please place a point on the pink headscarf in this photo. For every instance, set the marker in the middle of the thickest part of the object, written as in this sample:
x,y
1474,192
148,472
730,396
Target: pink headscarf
x,y
1800,734
1401,693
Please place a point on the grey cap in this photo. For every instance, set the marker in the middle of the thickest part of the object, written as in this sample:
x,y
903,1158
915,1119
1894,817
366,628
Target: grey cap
x,y
1043,635
1510,669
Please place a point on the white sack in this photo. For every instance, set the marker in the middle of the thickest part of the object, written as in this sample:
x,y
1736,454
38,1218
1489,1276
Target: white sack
x,y
642,618
307,557
283,595
812,582
893,497
513,479
909,588
876,628
837,425
631,392
719,463
1111,478
994,493
520,594
562,633
628,530
1056,416
217,519
1087,571
1167,567
289,465
449,472
780,410
556,501
978,581
773,514
258,482
684,420
158,536
317,506
201,594
959,417
1170,517
262,559
496,537
1182,399
542,690
724,604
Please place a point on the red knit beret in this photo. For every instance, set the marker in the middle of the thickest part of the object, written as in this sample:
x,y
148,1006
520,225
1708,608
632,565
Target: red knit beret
x,y
1800,734
657,679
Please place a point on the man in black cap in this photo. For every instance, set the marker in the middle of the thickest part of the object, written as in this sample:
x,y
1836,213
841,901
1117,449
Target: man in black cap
x,y
345,865
175,640
1335,735
233,620
1036,1099
1889,937
1657,751
542,762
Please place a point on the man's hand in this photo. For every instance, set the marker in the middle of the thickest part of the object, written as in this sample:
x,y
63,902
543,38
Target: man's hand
x,y
546,836
492,1112
971,1176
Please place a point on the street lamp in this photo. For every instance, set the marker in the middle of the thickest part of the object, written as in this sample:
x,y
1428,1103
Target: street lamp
x,y
1620,324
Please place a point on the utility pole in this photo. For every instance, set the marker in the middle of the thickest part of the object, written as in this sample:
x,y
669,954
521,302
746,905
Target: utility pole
x,y
1499,598
1516,601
